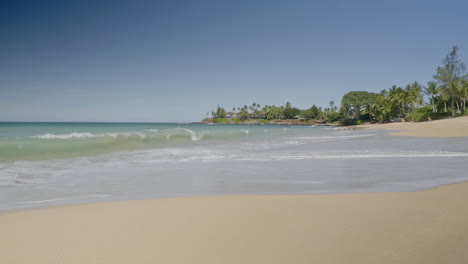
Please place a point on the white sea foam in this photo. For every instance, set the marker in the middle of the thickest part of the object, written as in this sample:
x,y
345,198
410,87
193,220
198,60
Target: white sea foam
x,y
192,133
337,136
275,181
65,136
282,164
142,134
336,128
356,155
65,198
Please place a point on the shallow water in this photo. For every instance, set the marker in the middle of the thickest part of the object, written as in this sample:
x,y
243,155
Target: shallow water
x,y
59,163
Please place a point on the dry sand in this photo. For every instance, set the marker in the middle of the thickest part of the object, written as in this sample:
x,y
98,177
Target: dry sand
x,y
415,227
454,127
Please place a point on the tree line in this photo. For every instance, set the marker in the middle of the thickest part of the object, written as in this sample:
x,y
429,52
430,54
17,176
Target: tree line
x,y
273,112
447,93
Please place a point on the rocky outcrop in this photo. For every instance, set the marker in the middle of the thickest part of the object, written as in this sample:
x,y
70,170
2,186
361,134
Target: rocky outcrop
x,y
287,122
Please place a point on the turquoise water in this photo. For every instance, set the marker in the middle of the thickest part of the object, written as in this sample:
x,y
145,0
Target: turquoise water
x,y
47,164
44,141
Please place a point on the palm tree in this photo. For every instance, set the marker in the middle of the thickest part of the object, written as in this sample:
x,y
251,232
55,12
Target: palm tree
x,y
452,92
464,94
450,76
432,90
413,95
331,105
445,95
254,106
397,98
382,110
458,86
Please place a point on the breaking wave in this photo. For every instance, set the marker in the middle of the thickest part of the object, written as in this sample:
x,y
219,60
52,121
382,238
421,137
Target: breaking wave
x,y
64,136
49,146
52,146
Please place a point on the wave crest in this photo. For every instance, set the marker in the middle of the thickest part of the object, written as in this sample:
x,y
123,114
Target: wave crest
x,y
64,136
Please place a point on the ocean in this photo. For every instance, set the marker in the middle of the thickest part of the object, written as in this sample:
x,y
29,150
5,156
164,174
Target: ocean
x,y
49,164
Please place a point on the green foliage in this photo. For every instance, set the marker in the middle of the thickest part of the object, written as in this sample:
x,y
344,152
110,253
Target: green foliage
x,y
290,113
349,122
315,112
360,122
433,91
451,79
365,117
274,112
307,114
449,92
220,113
420,114
383,109
353,103
435,116
221,120
396,102
333,117
312,113
244,114
424,113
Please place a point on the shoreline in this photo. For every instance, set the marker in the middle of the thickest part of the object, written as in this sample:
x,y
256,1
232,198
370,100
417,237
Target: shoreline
x,y
405,227
136,200
451,127
427,226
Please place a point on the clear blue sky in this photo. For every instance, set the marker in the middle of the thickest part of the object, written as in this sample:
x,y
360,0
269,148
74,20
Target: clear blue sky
x,y
175,60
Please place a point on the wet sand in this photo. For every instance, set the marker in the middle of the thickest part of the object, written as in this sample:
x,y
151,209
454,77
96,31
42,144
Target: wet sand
x,y
408,227
415,227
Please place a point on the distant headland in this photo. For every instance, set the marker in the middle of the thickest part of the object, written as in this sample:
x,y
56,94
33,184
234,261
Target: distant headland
x,y
447,95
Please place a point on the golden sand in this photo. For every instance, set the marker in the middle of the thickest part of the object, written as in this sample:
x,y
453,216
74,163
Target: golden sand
x,y
454,127
413,227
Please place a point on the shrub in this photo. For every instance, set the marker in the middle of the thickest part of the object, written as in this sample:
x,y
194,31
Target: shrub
x,y
365,117
333,117
349,122
436,116
360,122
423,113
419,114
290,113
221,120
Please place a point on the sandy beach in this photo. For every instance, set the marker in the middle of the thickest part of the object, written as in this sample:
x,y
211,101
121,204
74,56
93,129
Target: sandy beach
x,y
428,226
452,127
421,227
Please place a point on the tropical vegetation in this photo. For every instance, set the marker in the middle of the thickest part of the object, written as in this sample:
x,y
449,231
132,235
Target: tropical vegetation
x,y
276,113
447,94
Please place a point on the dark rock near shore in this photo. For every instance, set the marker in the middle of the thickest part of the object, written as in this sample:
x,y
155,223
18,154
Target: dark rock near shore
x,y
286,122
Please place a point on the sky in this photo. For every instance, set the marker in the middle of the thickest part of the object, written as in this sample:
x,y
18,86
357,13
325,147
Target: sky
x,y
175,60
